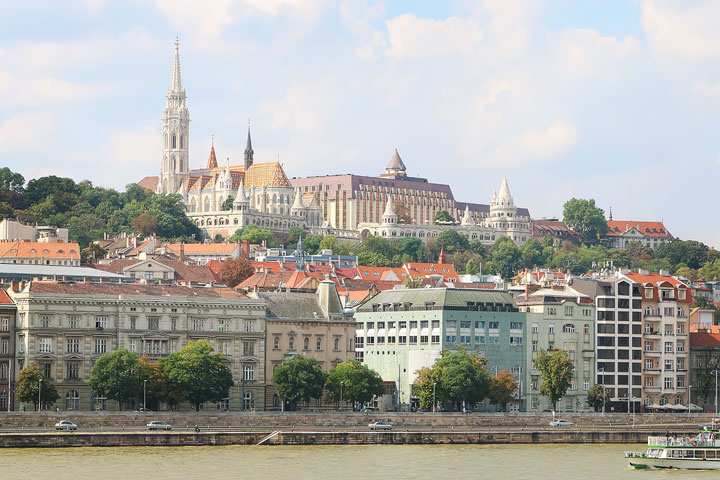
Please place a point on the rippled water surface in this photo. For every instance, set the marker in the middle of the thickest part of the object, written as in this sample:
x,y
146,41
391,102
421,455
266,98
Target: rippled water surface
x,y
332,462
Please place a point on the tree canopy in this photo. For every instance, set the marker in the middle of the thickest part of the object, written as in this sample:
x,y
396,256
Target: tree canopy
x,y
199,372
502,388
556,370
235,270
299,378
597,396
28,384
443,216
585,218
356,381
119,376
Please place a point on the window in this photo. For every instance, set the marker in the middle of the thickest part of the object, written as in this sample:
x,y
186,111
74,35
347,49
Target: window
x,y
568,311
73,370
225,347
173,323
682,294
436,339
552,311
73,345
494,325
46,369
479,325
133,345
668,347
249,348
669,382
551,328
133,323
668,365
198,324
153,323
100,345
568,328
535,328
5,348
648,292
45,345
5,324
516,325
306,344
534,346
291,343
276,343
249,372
72,400
586,385
515,341
45,321
337,344
221,325
100,322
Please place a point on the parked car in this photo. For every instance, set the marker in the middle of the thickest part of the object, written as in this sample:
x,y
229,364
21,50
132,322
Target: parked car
x,y
380,426
369,410
65,425
158,426
143,410
561,423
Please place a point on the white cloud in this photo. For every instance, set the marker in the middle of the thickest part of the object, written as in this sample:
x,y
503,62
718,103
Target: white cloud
x,y
550,142
681,31
585,52
278,7
45,91
415,37
27,132
200,19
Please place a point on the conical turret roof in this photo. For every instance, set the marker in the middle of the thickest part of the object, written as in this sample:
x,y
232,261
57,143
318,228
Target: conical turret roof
x,y
396,162
212,159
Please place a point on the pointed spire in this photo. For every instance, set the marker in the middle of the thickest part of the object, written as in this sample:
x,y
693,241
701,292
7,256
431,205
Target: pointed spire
x,y
610,214
248,150
176,81
212,159
467,219
297,202
396,165
441,257
505,193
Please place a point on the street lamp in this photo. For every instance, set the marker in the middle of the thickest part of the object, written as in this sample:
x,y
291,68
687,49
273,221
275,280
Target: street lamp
x,y
716,389
144,396
39,390
602,370
689,401
434,404
340,402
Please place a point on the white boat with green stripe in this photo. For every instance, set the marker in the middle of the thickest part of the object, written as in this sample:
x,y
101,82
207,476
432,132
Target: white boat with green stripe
x,y
672,452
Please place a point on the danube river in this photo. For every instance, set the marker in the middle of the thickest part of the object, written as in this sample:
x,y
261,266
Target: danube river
x,y
437,462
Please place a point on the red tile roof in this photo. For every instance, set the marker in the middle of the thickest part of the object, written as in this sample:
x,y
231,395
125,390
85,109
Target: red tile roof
x,y
654,278
149,183
705,340
132,289
204,248
52,250
5,299
651,229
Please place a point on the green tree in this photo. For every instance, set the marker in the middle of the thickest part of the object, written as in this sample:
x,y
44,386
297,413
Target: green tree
x,y
253,234
119,376
144,224
502,388
710,270
462,377
199,372
294,235
427,379
329,242
586,219
532,254
10,180
299,378
506,257
452,241
41,188
471,268
28,383
227,204
597,396
357,382
556,369
443,216
92,253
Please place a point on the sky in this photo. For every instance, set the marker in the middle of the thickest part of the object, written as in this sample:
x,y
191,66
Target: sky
x,y
607,99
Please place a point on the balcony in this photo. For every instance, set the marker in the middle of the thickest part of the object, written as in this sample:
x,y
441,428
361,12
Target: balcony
x,y
651,353
652,388
652,371
652,335
588,353
652,317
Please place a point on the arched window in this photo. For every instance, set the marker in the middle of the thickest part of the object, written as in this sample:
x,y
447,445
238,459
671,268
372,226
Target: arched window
x,y
207,204
182,141
72,400
100,402
247,401
174,141
166,141
291,343
318,345
182,162
276,343
3,400
276,400
337,344
274,199
306,344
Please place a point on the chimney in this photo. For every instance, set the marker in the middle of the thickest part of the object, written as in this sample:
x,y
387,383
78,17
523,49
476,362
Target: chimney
x,y
245,249
182,252
15,286
328,298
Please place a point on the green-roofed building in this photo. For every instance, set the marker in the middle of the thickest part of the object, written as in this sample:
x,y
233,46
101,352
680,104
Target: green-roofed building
x,y
401,331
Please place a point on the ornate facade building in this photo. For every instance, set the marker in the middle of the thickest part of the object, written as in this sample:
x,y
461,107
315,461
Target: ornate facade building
x,y
66,327
504,219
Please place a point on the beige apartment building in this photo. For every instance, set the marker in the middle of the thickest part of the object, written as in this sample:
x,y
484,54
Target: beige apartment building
x,y
66,327
310,324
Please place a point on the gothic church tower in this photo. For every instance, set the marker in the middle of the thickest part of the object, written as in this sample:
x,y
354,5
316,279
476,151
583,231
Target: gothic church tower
x,y
176,133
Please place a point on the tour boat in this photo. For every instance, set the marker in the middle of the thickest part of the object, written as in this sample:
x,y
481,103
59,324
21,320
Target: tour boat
x,y
701,452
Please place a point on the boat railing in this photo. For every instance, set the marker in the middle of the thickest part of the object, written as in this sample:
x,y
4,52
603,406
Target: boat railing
x,y
675,441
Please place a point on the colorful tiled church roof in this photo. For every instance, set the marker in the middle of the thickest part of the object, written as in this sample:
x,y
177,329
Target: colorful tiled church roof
x,y
268,174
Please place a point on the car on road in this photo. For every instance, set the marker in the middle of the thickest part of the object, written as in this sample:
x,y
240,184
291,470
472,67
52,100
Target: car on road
x,y
380,426
65,425
561,423
158,426
143,410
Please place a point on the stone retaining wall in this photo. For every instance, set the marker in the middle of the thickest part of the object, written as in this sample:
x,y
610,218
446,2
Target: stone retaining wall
x,y
103,420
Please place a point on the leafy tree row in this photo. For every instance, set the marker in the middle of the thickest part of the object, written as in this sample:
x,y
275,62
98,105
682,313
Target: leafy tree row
x,y
88,211
301,379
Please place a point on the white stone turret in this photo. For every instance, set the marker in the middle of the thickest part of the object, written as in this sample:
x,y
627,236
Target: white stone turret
x,y
389,216
467,219
241,202
297,209
176,133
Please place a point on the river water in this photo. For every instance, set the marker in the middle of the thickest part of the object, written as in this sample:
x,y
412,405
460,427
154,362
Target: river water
x,y
437,462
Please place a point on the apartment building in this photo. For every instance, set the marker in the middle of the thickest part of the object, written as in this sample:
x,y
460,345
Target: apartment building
x,y
560,317
66,327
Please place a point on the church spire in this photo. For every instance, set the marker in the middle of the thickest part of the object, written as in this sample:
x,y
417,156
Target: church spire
x,y
176,81
212,159
248,150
